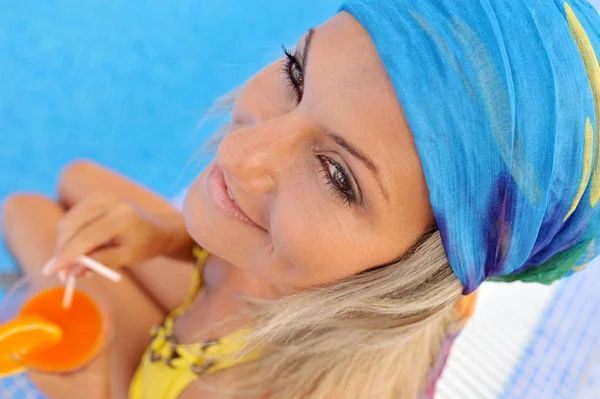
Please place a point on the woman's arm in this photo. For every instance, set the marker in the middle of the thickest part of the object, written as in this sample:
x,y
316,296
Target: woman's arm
x,y
29,224
84,178
81,179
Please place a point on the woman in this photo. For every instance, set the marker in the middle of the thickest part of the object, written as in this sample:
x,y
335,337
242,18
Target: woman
x,y
403,154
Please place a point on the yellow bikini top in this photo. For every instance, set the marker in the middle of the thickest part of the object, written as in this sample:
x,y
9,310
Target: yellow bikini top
x,y
167,367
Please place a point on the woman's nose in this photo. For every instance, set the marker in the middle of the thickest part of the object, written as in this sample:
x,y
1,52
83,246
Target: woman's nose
x,y
260,98
248,113
257,155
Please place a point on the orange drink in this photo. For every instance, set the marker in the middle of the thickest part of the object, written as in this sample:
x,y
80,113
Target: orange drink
x,y
85,327
81,326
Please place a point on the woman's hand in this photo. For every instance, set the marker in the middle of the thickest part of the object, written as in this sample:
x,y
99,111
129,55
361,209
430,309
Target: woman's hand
x,y
113,232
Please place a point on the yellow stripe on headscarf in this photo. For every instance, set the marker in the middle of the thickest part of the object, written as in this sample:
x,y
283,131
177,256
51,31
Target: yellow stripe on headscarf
x,y
587,165
593,72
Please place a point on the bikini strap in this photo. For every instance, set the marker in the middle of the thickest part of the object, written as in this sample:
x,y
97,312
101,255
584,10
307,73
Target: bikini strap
x,y
200,254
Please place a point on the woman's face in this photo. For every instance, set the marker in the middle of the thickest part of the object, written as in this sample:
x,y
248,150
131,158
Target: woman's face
x,y
321,166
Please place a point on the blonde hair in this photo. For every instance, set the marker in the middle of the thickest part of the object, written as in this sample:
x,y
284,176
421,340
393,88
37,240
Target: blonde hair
x,y
371,335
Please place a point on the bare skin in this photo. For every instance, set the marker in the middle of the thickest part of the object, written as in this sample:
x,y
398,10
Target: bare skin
x,y
81,179
30,225
140,301
326,174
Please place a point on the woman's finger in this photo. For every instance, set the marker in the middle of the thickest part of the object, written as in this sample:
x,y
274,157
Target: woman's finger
x,y
99,233
78,217
113,257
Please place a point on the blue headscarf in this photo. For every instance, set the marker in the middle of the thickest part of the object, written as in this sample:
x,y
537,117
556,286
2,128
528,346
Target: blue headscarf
x,y
503,100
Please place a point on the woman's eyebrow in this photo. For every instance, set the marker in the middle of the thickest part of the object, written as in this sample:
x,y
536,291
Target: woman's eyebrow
x,y
306,48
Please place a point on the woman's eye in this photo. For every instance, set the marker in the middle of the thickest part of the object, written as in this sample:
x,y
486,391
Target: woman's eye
x,y
338,179
294,74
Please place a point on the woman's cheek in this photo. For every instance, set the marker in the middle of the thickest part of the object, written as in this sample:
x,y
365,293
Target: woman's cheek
x,y
293,235
305,247
309,228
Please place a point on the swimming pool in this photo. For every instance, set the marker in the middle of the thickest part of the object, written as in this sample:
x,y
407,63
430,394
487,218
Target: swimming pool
x,y
125,83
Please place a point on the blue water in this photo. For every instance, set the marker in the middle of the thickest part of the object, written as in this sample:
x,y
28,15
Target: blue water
x,y
125,83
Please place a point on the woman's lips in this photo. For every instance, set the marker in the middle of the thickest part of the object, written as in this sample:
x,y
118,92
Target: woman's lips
x,y
224,201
